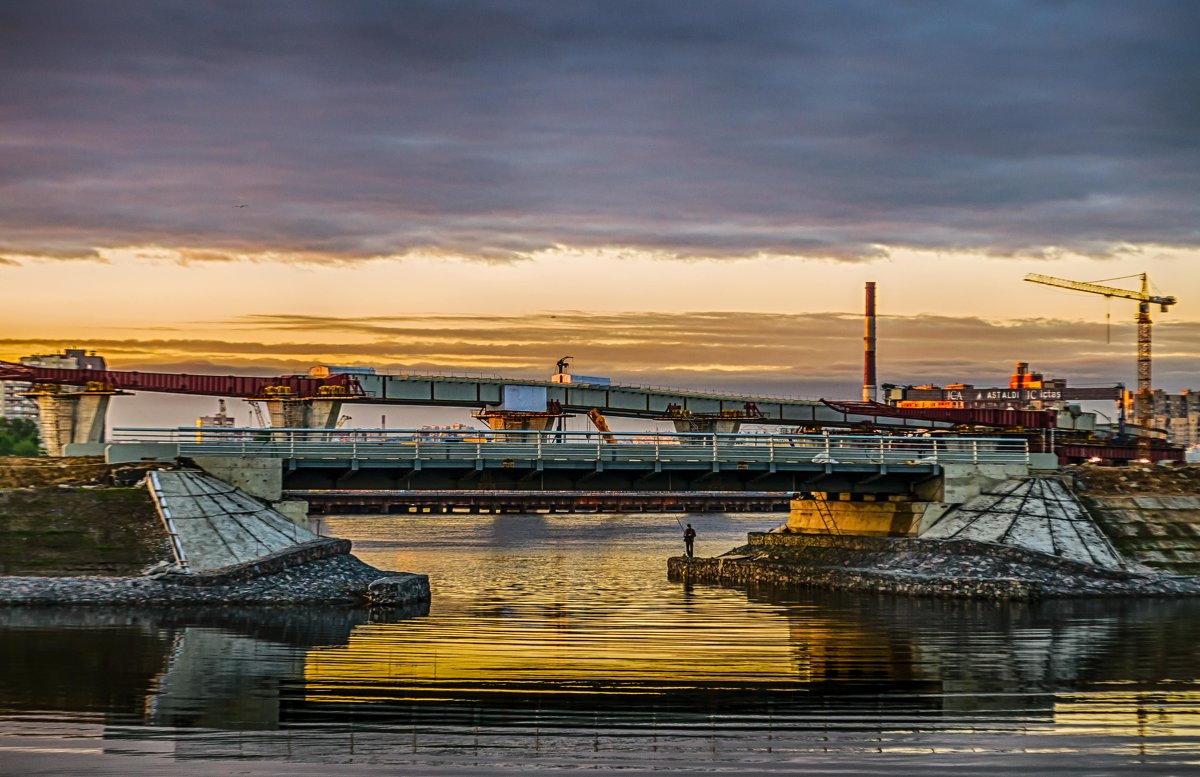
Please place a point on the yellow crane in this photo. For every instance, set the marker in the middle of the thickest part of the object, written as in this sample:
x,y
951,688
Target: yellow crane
x,y
258,414
1141,407
601,424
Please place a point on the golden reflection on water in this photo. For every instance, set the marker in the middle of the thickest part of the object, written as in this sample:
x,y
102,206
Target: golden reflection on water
x,y
580,652
1144,713
579,604
560,612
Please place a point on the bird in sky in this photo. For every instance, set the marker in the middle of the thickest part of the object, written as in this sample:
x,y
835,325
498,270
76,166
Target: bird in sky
x,y
239,206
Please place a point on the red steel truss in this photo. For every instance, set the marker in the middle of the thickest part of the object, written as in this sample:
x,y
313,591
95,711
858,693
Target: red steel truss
x,y
1008,419
288,386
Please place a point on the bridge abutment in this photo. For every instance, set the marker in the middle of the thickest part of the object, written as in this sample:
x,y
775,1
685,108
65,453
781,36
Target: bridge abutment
x,y
905,514
868,515
260,477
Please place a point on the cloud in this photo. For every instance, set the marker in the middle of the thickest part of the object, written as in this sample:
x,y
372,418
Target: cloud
x,y
802,354
496,131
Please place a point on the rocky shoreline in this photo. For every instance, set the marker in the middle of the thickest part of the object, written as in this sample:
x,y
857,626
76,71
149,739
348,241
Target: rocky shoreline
x,y
918,567
337,578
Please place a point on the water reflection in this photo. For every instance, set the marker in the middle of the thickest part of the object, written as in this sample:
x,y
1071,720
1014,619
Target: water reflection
x,y
219,667
544,641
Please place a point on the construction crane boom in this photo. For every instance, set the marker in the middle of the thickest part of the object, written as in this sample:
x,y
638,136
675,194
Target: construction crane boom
x,y
1108,291
258,414
1144,299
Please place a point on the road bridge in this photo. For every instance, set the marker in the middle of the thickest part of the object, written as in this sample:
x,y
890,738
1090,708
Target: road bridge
x,y
397,459
378,501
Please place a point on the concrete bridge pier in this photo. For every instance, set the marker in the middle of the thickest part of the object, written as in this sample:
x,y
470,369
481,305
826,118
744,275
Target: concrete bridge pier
x,y
288,413
71,418
708,425
517,420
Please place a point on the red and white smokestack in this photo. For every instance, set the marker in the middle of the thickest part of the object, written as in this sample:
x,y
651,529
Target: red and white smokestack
x,y
869,391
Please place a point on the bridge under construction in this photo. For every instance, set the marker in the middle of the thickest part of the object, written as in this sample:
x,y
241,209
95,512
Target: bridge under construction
x,y
73,403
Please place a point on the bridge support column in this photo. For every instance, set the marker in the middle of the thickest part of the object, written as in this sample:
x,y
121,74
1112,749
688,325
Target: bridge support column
x,y
517,420
858,514
708,425
66,418
304,413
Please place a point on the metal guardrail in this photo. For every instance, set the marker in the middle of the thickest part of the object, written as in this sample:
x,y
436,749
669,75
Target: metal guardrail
x,y
470,446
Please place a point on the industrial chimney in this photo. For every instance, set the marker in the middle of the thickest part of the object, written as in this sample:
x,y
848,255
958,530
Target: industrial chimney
x,y
869,392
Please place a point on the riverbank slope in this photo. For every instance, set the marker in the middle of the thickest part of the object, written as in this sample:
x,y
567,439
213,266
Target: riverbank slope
x,y
1086,532
71,534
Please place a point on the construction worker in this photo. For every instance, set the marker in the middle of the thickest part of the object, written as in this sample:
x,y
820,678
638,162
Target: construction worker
x,y
689,537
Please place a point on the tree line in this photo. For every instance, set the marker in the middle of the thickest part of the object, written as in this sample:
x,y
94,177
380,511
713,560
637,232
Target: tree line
x,y
18,437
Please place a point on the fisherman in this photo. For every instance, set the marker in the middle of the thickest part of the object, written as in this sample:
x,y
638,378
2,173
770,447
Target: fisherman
x,y
689,536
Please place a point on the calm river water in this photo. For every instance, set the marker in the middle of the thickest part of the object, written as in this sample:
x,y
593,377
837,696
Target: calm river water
x,y
556,642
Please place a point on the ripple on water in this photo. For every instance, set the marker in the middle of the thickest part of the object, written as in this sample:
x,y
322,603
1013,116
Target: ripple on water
x,y
557,641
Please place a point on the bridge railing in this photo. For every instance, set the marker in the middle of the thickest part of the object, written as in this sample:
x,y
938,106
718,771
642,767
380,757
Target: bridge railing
x,y
484,445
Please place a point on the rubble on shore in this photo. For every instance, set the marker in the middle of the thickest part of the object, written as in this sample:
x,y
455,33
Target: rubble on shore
x,y
340,579
322,572
917,567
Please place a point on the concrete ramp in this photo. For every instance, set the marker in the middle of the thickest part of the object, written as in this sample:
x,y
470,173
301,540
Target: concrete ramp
x,y
214,525
1039,514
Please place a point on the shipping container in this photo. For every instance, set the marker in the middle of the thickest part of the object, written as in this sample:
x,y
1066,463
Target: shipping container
x,y
526,399
594,380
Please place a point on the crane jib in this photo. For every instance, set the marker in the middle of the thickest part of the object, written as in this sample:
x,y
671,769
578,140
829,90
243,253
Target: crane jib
x,y
1142,404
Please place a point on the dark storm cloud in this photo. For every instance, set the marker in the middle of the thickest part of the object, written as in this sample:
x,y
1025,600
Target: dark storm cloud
x,y
801,354
696,129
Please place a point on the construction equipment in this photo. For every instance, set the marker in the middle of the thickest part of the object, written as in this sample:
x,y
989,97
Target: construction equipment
x,y
601,425
563,363
258,414
1142,405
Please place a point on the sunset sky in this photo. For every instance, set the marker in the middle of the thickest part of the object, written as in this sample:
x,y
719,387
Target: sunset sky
x,y
680,193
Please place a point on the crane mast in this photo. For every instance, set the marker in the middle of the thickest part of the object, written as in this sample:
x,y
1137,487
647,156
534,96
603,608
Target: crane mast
x,y
1141,406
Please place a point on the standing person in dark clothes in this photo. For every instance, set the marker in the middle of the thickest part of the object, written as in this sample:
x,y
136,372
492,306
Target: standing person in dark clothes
x,y
689,536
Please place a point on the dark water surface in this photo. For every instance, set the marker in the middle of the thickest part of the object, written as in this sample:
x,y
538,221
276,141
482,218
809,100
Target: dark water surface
x,y
555,642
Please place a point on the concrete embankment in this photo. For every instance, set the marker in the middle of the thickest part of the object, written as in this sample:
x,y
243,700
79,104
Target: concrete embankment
x,y
63,531
1151,514
185,538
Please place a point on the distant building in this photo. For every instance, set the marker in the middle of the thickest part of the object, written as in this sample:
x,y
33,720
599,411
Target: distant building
x,y
13,403
1178,415
221,420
